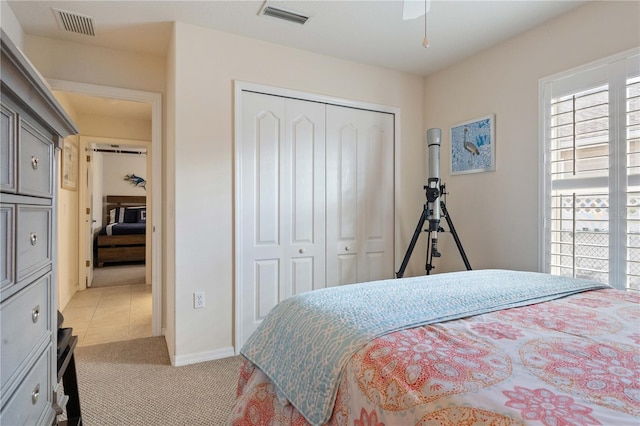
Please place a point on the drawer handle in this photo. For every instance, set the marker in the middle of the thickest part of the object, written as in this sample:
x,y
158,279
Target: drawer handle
x,y
301,251
34,238
35,314
35,394
346,248
34,162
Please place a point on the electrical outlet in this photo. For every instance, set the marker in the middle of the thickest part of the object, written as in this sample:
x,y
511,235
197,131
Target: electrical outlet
x,y
198,300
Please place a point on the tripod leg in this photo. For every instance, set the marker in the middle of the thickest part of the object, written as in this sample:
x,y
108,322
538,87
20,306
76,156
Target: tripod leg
x,y
429,265
416,234
455,236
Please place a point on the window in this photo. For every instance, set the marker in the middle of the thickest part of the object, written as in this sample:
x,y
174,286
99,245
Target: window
x,y
590,173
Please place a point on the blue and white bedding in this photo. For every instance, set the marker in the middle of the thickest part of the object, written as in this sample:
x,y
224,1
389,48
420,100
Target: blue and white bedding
x,y
124,228
305,341
126,221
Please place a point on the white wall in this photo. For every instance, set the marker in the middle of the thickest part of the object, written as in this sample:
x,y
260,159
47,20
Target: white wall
x,y
115,127
67,60
116,166
97,169
168,218
67,248
496,213
10,25
206,64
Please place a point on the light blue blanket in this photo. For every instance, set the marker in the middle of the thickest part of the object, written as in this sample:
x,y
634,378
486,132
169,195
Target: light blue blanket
x,y
305,341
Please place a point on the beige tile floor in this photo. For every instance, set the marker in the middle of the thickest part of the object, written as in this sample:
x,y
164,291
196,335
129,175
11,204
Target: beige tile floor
x,y
109,314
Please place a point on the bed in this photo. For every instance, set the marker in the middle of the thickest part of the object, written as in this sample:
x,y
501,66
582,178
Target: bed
x,y
486,347
123,239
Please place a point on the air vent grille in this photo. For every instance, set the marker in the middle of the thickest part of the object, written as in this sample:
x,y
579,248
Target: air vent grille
x,y
75,22
285,14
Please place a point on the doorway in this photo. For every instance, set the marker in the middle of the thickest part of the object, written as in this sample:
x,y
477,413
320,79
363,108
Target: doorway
x,y
114,193
154,189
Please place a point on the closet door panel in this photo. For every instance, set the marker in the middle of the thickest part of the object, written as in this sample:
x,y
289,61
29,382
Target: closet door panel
x,y
359,195
259,196
347,183
342,200
302,172
267,148
347,269
281,193
267,290
303,197
302,269
374,185
377,195
375,263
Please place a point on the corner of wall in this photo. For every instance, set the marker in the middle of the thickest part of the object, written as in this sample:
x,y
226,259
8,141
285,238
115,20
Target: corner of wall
x,y
11,26
168,157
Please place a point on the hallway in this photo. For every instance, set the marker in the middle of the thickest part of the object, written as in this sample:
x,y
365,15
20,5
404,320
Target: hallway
x,y
109,314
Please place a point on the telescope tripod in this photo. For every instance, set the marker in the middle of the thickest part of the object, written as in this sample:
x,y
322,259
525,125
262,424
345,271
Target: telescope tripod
x,y
431,248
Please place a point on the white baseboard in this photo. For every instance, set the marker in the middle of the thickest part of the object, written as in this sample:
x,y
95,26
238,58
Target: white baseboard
x,y
180,360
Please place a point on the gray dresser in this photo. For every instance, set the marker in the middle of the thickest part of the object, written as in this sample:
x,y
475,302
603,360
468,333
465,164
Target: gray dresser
x,y
32,127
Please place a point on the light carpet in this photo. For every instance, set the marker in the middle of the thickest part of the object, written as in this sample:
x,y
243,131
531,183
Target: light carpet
x,y
116,275
133,383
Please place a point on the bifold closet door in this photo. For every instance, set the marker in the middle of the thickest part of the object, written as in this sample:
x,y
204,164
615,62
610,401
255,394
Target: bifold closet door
x,y
359,195
281,190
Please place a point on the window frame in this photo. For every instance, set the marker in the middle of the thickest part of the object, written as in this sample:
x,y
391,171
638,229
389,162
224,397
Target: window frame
x,y
612,71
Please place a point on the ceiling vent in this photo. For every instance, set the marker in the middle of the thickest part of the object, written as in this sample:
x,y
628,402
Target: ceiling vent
x,y
284,14
75,22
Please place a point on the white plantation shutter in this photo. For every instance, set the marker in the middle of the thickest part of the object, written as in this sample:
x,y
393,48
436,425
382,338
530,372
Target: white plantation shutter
x,y
633,183
591,165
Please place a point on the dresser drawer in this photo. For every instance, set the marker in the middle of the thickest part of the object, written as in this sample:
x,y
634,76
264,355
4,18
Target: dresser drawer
x,y
31,403
33,239
35,162
8,120
7,245
25,323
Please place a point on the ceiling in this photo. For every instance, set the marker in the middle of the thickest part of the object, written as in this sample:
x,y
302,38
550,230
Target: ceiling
x,y
116,108
371,32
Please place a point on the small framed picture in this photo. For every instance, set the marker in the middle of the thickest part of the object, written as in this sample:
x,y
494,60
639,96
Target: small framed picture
x,y
69,166
473,146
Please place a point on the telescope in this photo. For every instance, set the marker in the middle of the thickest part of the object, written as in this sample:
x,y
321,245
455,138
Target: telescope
x,y
432,189
434,209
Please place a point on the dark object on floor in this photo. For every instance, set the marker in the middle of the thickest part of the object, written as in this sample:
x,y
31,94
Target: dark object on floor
x,y
64,337
67,372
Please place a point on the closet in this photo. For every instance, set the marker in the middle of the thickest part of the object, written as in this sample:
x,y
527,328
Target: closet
x,y
314,188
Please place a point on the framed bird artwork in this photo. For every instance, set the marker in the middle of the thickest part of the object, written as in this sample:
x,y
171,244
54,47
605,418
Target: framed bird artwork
x,y
473,146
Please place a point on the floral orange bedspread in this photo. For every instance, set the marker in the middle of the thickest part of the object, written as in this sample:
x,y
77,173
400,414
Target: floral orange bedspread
x,y
570,361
